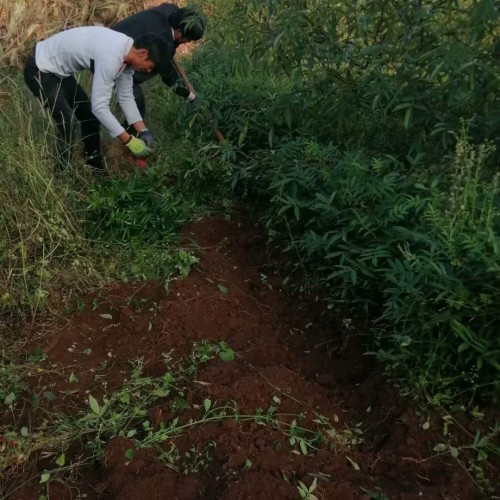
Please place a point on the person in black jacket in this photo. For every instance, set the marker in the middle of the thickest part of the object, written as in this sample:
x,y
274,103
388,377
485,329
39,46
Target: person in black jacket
x,y
177,26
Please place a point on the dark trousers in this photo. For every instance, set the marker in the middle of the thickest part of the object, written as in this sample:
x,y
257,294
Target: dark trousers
x,y
65,99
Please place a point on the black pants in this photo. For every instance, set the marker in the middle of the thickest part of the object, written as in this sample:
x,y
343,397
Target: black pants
x,y
65,98
169,77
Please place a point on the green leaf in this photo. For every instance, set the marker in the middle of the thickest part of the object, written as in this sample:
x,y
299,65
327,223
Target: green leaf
x,y
94,405
270,137
296,211
223,289
10,398
129,454
226,354
24,432
440,447
435,71
303,447
207,404
243,134
181,403
61,460
407,118
49,395
44,477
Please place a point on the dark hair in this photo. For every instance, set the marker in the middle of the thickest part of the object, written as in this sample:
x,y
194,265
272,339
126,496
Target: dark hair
x,y
158,47
189,22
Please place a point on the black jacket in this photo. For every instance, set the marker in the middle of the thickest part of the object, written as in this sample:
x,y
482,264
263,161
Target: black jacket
x,y
152,21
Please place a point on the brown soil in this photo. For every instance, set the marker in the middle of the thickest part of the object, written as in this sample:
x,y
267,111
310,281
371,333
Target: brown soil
x,y
289,354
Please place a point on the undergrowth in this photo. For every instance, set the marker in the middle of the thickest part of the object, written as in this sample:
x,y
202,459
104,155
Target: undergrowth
x,y
380,188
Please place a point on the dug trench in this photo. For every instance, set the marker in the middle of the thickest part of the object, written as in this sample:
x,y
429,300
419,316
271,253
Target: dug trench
x,y
280,402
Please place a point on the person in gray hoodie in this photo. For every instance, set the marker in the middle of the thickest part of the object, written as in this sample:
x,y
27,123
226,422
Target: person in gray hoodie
x,y
112,57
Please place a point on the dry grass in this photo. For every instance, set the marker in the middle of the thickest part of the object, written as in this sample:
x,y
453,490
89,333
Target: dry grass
x,y
22,22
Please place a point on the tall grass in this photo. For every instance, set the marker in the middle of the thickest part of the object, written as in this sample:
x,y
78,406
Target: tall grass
x,y
40,227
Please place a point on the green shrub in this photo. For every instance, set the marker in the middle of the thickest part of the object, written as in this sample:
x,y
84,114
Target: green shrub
x,y
347,123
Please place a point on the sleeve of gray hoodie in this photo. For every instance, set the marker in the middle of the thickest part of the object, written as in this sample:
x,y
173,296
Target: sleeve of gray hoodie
x,y
125,96
102,89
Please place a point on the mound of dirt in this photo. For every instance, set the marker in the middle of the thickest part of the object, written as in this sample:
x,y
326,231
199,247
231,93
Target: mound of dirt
x,y
288,355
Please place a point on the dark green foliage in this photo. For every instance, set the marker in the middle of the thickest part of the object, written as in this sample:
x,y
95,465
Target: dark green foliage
x,y
396,75
358,130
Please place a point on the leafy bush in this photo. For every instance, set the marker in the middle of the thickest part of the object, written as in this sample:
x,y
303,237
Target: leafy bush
x,y
360,136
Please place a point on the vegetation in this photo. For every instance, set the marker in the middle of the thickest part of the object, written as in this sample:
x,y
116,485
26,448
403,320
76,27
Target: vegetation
x,y
362,135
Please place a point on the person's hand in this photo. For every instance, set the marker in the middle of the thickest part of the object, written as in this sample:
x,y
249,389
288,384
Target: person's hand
x,y
195,103
137,147
147,137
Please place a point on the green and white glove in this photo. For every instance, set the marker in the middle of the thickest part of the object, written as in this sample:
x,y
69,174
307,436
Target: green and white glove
x,y
137,147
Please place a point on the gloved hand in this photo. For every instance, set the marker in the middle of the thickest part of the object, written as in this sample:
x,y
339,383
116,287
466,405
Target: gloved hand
x,y
147,137
196,101
180,90
137,147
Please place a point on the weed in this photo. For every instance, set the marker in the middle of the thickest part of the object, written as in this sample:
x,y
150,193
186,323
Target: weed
x,y
307,493
126,413
185,261
12,383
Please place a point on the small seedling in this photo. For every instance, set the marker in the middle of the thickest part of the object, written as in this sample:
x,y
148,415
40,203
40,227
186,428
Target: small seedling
x,y
226,353
185,261
38,356
308,493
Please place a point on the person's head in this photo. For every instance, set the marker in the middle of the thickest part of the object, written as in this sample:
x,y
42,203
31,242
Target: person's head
x,y
149,52
187,24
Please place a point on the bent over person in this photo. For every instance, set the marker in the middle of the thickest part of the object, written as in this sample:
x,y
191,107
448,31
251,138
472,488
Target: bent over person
x,y
177,26
112,57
